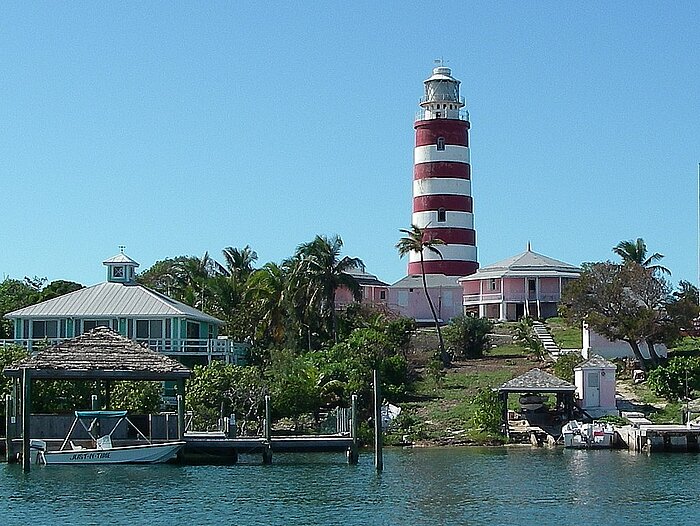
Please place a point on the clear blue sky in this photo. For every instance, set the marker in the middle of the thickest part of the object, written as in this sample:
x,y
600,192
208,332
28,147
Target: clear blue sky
x,y
178,128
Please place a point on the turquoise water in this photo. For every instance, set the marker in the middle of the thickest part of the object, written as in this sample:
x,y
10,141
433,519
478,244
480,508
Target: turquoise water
x,y
518,486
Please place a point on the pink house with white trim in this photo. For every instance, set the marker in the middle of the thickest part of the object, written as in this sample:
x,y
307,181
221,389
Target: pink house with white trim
x,y
528,284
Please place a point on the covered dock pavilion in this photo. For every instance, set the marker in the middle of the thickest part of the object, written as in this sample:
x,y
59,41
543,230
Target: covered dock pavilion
x,y
538,382
101,354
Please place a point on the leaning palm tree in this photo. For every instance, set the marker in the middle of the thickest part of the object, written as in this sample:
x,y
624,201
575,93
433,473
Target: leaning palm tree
x,y
636,252
416,241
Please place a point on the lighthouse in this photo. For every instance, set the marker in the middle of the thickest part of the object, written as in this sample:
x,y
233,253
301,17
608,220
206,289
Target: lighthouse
x,y
442,199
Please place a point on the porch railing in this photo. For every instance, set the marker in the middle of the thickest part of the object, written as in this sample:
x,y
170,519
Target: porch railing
x,y
515,297
230,350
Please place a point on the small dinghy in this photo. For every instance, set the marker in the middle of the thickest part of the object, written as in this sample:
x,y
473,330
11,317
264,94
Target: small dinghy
x,y
595,435
104,451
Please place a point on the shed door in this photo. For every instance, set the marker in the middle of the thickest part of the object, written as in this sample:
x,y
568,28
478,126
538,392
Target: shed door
x,y
593,388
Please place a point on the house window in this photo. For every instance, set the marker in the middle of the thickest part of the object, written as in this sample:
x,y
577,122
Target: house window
x,y
149,329
118,272
44,329
382,294
440,143
403,298
442,215
492,284
88,325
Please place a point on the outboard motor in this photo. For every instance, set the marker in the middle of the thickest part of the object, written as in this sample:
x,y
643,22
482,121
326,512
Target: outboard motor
x,y
37,448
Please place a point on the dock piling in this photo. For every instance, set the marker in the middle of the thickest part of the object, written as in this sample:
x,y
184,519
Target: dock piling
x,y
378,458
26,413
353,451
267,443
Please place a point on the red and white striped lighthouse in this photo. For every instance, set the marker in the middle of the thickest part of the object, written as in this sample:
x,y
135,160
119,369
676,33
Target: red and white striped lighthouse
x,y
442,201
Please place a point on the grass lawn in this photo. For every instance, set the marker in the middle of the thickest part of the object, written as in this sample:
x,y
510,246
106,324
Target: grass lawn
x,y
441,412
565,336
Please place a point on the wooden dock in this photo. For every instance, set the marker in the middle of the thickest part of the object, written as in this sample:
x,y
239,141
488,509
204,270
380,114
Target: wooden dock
x,y
216,448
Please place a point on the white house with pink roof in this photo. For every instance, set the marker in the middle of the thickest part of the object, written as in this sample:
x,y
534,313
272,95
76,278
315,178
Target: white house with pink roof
x,y
528,284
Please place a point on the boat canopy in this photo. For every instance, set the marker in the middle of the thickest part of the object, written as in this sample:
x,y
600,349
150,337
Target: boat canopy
x,y
100,414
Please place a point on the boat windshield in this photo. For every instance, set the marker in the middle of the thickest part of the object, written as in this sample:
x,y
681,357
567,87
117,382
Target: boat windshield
x,y
100,414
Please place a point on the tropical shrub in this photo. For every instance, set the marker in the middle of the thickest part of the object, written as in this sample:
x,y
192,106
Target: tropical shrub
x,y
488,413
468,336
137,397
220,389
564,366
677,379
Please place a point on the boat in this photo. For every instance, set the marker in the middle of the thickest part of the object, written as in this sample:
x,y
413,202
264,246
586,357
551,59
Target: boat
x,y
104,451
532,402
596,435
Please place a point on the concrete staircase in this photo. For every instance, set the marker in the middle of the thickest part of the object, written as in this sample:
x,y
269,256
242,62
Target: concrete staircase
x,y
542,333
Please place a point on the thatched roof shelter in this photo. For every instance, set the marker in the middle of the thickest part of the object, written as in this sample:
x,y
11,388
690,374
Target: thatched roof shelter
x,y
101,354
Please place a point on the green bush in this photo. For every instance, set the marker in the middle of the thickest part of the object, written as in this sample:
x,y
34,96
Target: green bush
x,y
564,366
677,379
467,336
488,413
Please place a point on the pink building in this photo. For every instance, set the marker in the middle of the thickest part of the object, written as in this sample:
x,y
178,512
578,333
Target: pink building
x,y
373,290
406,297
528,284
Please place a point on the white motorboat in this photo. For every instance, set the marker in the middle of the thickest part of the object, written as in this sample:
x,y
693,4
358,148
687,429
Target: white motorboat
x,y
596,435
104,451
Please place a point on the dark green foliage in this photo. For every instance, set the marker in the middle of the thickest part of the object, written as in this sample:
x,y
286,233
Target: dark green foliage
x,y
221,389
526,337
467,336
295,384
136,397
564,366
15,294
677,379
435,370
9,354
58,288
488,413
63,396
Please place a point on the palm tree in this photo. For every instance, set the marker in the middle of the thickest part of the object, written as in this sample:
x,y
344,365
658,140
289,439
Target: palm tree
x,y
636,252
239,261
327,271
416,241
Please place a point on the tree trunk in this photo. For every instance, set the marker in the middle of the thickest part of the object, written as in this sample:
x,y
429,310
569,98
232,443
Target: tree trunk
x,y
655,359
637,354
444,357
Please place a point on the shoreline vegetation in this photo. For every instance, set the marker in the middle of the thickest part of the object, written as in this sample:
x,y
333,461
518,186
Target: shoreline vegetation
x,y
309,355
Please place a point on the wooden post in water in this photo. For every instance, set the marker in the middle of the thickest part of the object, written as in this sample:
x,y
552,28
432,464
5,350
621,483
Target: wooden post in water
x,y
378,459
9,428
95,406
26,413
353,450
181,409
267,442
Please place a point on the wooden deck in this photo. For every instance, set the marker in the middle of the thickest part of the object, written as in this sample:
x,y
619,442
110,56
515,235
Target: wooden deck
x,y
216,448
649,437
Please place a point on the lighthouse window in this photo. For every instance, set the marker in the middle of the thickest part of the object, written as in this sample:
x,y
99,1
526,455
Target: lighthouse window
x,y
441,215
441,143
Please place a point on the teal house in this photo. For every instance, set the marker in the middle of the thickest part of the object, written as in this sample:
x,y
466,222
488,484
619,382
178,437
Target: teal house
x,y
135,311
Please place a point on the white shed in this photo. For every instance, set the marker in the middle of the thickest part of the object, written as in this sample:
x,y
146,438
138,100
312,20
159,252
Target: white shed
x,y
595,386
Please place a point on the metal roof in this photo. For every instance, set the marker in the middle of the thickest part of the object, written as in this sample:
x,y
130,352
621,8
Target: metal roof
x,y
433,280
526,264
537,381
365,278
100,354
112,300
120,258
